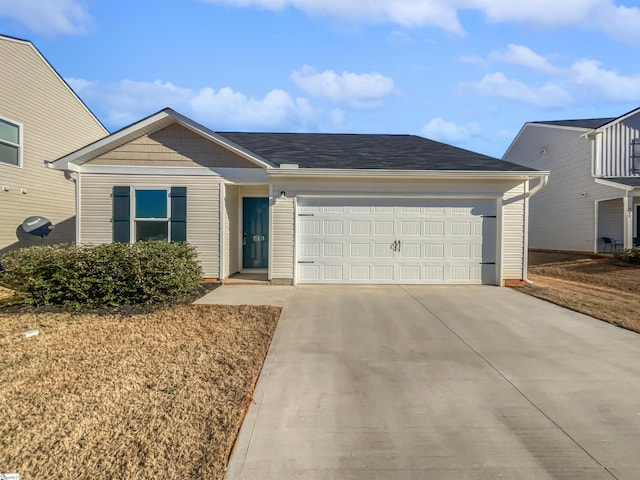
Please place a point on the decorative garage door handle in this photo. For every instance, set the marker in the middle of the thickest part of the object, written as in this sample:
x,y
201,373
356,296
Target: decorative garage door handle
x,y
395,246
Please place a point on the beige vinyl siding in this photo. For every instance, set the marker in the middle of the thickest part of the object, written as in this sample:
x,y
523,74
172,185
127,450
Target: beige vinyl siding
x,y
203,211
513,213
172,146
254,190
231,230
282,244
561,215
614,148
54,123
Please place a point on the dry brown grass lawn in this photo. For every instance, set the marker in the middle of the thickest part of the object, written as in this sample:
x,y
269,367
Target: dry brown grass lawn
x,y
160,394
599,287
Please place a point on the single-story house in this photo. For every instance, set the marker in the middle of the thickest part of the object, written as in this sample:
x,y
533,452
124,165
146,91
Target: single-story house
x,y
307,208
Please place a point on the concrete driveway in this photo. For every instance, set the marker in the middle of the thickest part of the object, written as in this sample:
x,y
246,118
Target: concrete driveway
x,y
441,383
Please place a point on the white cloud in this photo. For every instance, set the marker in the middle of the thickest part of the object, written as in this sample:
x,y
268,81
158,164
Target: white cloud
x,y
596,82
548,96
524,56
224,109
617,21
48,17
586,79
358,90
445,131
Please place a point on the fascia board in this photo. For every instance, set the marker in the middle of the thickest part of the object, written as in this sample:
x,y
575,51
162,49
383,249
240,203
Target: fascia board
x,y
609,183
407,174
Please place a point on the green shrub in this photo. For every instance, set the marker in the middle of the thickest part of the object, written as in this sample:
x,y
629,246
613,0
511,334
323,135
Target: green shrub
x,y
102,275
628,255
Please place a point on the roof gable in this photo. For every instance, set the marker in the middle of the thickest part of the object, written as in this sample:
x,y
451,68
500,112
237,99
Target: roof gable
x,y
172,146
145,127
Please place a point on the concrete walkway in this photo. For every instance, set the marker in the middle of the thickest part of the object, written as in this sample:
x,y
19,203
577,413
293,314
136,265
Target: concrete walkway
x,y
441,383
275,295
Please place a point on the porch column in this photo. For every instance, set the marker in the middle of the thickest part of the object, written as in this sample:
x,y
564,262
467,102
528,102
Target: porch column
x,y
628,220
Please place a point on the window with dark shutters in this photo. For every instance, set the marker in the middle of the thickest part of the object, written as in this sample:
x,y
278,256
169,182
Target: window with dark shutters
x,y
160,214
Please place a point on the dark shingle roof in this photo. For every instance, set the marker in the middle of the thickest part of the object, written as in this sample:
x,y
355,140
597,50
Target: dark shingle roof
x,y
365,151
587,123
629,181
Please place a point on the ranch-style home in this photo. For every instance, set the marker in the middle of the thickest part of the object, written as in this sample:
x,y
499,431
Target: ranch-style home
x,y
594,184
40,118
307,208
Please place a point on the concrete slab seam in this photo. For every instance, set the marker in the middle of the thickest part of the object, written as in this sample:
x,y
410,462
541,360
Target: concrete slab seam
x,y
509,382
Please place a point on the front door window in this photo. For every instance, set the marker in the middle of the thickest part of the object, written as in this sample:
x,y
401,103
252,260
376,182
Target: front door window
x,y
255,232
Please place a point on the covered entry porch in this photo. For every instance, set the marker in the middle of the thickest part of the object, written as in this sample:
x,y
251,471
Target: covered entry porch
x,y
245,232
618,218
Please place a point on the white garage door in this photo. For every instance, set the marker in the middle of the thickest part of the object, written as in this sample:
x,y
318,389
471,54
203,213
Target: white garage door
x,y
372,241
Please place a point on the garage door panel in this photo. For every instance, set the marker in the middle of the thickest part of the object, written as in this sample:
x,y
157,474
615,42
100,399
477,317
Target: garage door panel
x,y
410,228
360,273
360,250
410,251
382,250
332,227
383,228
401,241
433,228
333,273
360,227
309,250
383,273
332,250
434,250
434,273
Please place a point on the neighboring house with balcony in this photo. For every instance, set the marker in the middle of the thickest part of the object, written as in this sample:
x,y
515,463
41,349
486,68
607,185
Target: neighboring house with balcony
x,y
41,118
594,182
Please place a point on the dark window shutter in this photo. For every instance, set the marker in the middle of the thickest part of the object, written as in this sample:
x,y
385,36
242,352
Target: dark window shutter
x,y
178,214
121,215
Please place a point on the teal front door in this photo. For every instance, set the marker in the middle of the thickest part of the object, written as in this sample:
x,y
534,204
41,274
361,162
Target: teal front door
x,y
255,232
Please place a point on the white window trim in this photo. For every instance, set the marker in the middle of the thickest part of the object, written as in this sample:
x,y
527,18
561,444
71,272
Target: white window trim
x,y
20,146
134,218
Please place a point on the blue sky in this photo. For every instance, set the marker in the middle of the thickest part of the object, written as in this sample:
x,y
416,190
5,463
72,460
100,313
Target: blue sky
x,y
465,72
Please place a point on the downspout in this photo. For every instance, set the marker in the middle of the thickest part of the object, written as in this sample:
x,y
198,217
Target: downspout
x,y
541,184
76,188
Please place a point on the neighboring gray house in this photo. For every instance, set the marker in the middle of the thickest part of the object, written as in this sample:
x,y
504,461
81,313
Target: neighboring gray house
x,y
594,181
40,118
307,208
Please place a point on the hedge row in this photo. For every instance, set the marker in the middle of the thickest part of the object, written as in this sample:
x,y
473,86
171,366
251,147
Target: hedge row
x,y
628,255
102,275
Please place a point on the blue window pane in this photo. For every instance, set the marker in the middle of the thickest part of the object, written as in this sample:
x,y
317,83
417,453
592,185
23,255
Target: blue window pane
x,y
151,204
